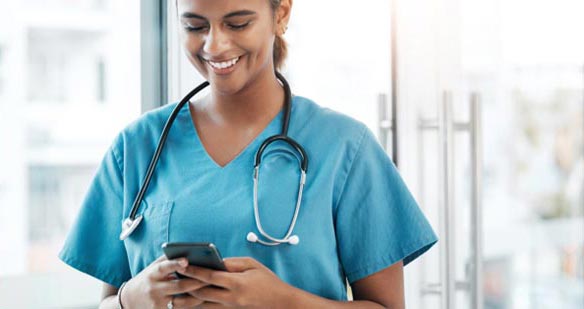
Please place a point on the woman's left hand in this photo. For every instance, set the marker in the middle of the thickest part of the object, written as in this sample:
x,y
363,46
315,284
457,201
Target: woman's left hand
x,y
246,283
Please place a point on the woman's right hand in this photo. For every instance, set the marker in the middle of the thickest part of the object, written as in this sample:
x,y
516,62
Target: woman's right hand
x,y
155,286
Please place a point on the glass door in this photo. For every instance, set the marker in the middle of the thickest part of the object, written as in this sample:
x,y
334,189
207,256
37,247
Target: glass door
x,y
492,94
524,61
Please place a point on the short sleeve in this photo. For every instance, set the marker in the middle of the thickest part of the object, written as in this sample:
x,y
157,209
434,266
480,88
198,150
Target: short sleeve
x,y
378,222
93,245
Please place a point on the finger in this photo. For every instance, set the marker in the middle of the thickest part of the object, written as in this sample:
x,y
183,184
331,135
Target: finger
x,y
240,264
161,258
210,276
186,301
180,286
212,294
166,267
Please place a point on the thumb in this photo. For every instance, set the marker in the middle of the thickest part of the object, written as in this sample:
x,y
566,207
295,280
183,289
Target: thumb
x,y
241,264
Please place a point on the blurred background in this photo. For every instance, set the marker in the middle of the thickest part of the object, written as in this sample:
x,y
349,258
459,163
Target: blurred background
x,y
479,103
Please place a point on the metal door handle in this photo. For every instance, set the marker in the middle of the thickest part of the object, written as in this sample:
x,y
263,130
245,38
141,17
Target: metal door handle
x,y
446,126
448,257
384,123
476,289
388,125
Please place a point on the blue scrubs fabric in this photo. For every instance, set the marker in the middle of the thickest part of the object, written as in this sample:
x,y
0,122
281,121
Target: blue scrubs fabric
x,y
357,216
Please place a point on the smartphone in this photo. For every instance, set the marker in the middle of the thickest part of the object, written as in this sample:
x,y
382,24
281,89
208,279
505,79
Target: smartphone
x,y
201,254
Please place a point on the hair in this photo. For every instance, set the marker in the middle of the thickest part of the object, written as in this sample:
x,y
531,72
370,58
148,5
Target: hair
x,y
280,46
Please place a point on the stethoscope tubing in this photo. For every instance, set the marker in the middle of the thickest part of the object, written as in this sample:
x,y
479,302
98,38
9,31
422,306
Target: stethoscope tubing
x,y
161,142
257,212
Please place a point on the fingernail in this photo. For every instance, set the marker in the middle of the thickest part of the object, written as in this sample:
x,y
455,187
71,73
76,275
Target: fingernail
x,y
183,263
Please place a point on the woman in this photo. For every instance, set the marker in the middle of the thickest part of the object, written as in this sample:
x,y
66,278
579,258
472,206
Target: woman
x,y
358,222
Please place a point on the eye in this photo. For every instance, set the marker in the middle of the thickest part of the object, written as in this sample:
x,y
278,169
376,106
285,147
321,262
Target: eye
x,y
238,26
191,28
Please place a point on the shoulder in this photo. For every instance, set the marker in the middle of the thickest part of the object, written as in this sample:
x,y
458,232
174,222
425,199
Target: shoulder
x,y
328,124
145,130
150,122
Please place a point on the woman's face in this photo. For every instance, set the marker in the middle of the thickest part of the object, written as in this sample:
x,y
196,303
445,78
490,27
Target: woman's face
x,y
230,42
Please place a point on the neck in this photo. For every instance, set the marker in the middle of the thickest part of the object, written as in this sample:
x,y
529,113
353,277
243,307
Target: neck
x,y
257,103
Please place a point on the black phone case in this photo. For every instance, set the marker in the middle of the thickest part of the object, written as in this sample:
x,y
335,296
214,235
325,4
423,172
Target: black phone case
x,y
199,254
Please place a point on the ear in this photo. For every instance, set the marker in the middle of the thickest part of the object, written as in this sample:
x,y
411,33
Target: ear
x,y
283,16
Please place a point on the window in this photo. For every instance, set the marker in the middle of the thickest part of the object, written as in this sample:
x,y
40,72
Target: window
x,y
74,84
2,69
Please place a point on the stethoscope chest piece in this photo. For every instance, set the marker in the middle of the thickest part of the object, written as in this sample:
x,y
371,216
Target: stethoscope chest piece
x,y
129,225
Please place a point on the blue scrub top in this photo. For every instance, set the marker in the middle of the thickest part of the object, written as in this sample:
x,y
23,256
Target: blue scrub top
x,y
357,215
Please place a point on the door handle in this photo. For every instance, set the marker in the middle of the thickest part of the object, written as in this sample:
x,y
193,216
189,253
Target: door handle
x,y
446,126
448,254
476,142
388,126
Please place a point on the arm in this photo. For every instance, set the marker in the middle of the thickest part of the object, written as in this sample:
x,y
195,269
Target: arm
x,y
247,281
109,299
384,289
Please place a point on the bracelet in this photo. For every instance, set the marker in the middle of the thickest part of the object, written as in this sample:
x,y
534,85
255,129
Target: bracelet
x,y
120,306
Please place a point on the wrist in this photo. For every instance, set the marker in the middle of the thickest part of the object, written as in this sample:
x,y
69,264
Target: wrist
x,y
298,298
293,297
286,297
120,296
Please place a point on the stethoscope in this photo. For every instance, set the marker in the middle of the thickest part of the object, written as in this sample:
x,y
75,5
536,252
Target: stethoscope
x,y
131,223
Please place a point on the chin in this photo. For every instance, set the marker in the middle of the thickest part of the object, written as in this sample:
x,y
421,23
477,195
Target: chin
x,y
226,87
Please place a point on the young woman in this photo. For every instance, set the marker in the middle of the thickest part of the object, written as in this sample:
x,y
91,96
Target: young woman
x,y
357,221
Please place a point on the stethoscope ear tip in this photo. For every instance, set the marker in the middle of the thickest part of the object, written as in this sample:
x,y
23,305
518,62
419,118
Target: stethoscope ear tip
x,y
292,240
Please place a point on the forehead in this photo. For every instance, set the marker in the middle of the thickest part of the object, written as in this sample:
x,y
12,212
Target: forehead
x,y
218,8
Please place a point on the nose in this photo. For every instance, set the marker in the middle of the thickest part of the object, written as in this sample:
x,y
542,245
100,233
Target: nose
x,y
216,42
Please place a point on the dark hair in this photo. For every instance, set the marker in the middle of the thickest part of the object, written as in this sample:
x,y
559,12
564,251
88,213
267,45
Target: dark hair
x,y
280,46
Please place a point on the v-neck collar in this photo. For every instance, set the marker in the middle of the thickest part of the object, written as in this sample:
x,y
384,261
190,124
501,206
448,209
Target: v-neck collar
x,y
194,140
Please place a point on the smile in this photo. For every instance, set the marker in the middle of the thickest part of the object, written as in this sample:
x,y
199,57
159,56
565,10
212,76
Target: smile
x,y
223,64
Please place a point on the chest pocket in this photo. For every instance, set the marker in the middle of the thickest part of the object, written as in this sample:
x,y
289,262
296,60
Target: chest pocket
x,y
146,241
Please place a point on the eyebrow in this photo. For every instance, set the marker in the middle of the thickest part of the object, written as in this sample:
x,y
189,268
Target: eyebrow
x,y
232,14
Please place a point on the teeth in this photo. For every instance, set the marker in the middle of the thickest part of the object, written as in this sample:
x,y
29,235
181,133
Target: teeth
x,y
224,64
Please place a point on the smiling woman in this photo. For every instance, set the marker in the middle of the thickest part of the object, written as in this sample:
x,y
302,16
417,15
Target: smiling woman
x,y
359,223
244,36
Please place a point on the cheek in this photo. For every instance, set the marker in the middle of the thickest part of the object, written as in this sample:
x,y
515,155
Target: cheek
x,y
191,48
267,51
262,47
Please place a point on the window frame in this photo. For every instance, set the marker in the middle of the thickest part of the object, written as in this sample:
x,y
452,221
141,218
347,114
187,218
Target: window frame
x,y
154,54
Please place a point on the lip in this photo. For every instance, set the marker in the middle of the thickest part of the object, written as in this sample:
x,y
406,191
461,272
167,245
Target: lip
x,y
223,71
